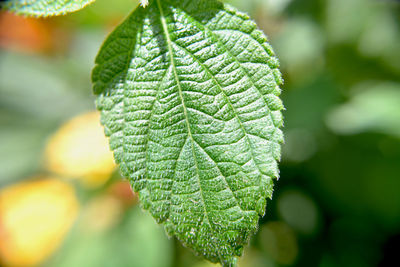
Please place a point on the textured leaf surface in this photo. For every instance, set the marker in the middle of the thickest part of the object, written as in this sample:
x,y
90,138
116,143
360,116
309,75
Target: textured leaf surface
x,y
188,91
43,8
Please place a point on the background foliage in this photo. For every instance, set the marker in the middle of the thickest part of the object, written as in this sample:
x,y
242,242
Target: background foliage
x,y
337,202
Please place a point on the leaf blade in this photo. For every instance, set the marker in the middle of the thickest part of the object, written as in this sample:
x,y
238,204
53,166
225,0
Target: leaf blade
x,y
44,8
193,121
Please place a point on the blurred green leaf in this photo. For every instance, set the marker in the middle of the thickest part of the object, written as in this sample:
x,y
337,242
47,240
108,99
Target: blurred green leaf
x,y
300,46
373,107
346,20
100,15
39,87
253,6
136,241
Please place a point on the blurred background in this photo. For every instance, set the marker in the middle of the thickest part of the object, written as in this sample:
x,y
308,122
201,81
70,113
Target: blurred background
x,y
337,203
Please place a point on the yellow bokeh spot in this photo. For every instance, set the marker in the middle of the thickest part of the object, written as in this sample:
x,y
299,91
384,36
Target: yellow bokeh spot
x,y
34,219
79,149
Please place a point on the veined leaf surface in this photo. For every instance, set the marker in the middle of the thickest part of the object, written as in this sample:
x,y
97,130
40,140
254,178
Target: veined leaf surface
x,y
188,92
44,8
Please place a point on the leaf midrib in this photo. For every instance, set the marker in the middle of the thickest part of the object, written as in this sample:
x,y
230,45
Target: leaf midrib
x,y
243,129
165,29
172,61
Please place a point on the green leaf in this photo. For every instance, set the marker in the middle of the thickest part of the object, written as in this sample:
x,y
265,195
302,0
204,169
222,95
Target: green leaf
x,y
188,91
44,8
